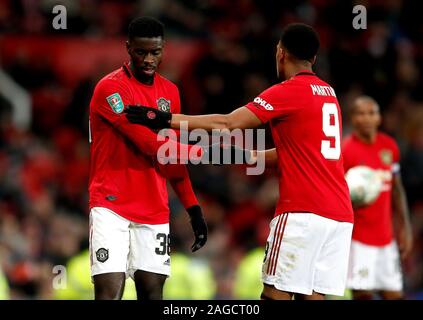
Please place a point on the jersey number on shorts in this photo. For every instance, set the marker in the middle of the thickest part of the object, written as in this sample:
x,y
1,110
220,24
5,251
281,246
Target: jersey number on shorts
x,y
331,130
164,244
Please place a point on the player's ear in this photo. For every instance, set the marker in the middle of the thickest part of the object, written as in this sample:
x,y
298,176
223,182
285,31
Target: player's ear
x,y
282,54
128,46
313,60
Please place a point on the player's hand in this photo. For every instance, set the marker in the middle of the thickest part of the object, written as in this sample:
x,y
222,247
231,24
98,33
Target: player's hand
x,y
149,117
199,227
219,154
405,241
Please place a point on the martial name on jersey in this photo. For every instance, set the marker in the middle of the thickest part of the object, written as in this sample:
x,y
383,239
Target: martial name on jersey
x,y
322,90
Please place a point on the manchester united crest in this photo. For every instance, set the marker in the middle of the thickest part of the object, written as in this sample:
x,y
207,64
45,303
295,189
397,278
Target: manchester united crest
x,y
386,156
102,255
163,104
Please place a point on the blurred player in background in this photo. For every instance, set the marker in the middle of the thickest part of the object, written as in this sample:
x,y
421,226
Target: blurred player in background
x,y
129,212
308,245
375,264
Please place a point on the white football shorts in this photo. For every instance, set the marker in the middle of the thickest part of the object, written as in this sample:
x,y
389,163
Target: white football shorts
x,y
375,268
306,252
120,245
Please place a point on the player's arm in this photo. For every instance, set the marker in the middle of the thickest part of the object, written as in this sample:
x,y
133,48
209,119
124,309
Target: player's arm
x,y
147,142
178,177
272,103
108,101
402,218
241,118
270,156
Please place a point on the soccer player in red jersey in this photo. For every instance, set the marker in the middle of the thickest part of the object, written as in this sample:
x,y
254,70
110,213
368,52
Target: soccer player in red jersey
x,y
375,265
308,245
129,212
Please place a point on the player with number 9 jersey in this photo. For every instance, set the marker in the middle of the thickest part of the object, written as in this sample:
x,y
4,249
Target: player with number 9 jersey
x,y
306,125
308,245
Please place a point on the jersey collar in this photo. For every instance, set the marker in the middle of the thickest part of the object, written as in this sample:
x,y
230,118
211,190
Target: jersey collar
x,y
305,73
356,137
127,69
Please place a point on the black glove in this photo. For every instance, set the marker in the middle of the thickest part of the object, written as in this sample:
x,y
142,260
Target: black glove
x,y
149,117
219,154
199,227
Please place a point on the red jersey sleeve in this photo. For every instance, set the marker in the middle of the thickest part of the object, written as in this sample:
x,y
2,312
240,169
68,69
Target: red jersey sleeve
x,y
273,102
176,107
178,174
110,98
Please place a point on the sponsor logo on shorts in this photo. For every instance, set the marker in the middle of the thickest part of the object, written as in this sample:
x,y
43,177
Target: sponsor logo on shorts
x,y
102,255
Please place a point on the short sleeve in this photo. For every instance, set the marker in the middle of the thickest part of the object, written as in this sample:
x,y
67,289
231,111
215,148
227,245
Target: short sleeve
x,y
109,99
176,107
274,102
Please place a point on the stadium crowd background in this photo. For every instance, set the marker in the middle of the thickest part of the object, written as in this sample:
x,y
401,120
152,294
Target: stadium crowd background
x,y
221,54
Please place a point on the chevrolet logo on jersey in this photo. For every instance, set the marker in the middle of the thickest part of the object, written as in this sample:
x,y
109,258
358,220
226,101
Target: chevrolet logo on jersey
x,y
163,104
263,103
115,101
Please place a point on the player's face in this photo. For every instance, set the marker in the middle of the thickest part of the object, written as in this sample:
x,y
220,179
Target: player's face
x,y
366,118
146,55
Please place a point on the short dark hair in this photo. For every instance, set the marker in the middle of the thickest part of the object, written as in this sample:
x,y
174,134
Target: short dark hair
x,y
300,40
146,27
363,98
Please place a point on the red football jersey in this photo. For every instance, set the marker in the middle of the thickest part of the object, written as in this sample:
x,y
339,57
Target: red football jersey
x,y
373,223
124,172
306,125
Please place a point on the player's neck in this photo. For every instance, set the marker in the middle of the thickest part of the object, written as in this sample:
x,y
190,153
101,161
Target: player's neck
x,y
292,69
369,139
